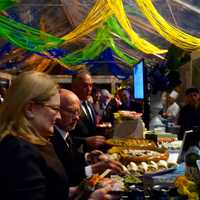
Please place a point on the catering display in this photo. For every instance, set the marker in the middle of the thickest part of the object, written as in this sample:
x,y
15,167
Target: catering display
x,y
127,154
127,115
145,170
128,123
172,145
132,142
140,156
123,186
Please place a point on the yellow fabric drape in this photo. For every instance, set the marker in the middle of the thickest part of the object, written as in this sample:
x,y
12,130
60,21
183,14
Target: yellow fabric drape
x,y
97,15
46,62
43,65
168,31
76,67
141,44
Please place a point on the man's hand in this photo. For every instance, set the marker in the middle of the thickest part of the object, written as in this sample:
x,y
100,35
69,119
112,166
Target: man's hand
x,y
95,141
94,156
101,166
102,194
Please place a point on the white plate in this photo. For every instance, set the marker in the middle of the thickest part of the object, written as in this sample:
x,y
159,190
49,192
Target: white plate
x,y
165,171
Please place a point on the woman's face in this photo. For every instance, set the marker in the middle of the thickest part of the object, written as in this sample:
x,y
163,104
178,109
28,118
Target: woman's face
x,y
44,115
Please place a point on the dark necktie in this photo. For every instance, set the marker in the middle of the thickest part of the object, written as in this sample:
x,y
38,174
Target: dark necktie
x,y
88,112
68,142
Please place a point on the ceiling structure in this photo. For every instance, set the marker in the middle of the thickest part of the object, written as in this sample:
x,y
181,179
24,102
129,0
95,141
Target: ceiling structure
x,y
59,17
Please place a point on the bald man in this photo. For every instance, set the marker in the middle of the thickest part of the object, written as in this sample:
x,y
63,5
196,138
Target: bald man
x,y
72,160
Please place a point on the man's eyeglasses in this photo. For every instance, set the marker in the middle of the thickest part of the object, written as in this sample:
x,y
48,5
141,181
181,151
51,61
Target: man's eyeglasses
x,y
52,107
75,113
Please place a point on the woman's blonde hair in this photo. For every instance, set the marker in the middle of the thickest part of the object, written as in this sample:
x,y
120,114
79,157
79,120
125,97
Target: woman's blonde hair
x,y
28,86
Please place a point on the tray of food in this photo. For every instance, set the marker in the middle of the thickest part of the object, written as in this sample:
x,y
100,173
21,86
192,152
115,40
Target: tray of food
x,y
127,115
151,168
173,146
126,154
119,183
132,142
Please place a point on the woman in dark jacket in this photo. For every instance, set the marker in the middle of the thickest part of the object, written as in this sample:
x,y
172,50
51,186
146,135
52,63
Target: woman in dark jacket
x,y
30,169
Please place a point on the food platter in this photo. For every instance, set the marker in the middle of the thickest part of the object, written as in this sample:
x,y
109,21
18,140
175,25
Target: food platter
x,y
160,172
143,155
125,114
139,155
132,142
150,168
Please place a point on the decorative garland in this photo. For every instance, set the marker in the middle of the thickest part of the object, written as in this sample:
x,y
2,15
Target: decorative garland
x,y
6,4
102,41
141,44
31,40
106,15
99,13
26,37
168,31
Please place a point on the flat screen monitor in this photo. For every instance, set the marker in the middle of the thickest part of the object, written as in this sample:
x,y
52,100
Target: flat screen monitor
x,y
139,81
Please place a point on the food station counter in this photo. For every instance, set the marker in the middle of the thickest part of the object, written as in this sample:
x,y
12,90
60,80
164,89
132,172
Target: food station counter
x,y
150,163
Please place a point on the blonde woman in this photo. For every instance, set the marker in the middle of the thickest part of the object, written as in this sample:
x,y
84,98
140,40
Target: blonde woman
x,y
29,167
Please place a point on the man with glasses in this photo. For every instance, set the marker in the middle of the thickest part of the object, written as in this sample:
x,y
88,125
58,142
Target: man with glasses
x,y
73,161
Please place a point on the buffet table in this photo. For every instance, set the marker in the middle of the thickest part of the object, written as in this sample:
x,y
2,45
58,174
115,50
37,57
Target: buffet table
x,y
150,156
159,183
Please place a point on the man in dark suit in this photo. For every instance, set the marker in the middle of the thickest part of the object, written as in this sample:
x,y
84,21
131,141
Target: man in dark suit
x,y
73,161
189,115
121,101
86,127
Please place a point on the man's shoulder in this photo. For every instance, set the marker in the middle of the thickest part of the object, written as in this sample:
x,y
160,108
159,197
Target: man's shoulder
x,y
186,110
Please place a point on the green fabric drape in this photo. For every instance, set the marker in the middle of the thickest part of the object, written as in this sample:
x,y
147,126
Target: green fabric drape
x,y
26,37
4,4
102,41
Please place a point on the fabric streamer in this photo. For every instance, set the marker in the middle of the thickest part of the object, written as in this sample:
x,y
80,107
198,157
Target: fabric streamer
x,y
95,18
168,31
143,45
102,41
26,37
47,45
25,40
128,59
43,65
90,51
6,4
117,30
